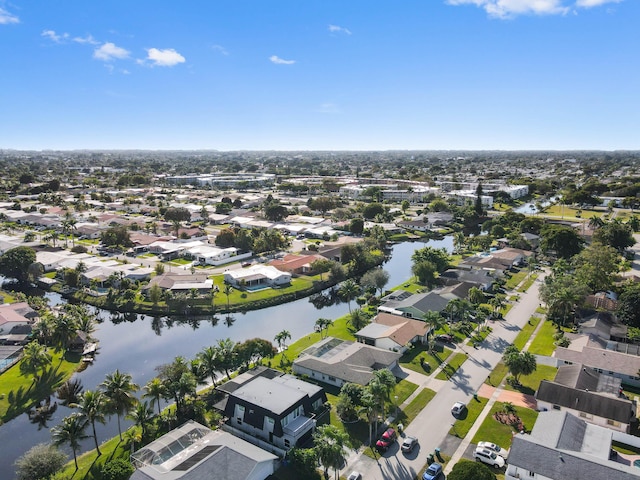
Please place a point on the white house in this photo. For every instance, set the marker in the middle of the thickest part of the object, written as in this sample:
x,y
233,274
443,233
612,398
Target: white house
x,y
257,275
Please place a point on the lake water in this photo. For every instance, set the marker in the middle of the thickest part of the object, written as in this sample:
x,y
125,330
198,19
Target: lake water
x,y
138,347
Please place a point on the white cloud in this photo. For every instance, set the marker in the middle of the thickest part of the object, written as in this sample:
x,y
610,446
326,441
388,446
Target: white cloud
x,y
220,49
336,28
594,3
88,39
6,18
109,51
280,61
54,37
164,58
329,108
512,8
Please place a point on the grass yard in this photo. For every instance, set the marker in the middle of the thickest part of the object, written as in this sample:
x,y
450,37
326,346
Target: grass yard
x,y
452,366
543,343
413,358
416,405
236,295
18,393
493,431
530,383
515,279
462,426
525,286
497,375
410,286
524,335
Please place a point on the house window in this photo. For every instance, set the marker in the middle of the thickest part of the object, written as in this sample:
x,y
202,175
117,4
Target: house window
x,y
613,423
586,415
532,474
332,379
287,443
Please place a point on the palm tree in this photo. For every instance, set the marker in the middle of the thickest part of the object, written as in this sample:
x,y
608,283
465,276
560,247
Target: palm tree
x,y
227,354
281,339
330,444
348,291
70,431
119,388
595,222
381,385
227,291
35,357
323,324
69,392
434,320
65,328
141,415
155,390
210,362
459,241
92,406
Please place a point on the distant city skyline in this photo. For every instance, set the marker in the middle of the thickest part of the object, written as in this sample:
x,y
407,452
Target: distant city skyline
x,y
320,75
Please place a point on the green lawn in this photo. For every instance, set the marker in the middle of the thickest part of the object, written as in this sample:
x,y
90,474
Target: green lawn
x,y
493,431
497,375
530,383
543,343
412,359
524,335
89,463
18,393
515,279
525,286
410,286
238,296
462,426
416,405
453,363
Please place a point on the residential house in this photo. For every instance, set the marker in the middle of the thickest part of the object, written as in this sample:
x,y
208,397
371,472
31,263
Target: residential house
x,y
562,446
416,306
417,225
479,278
393,332
195,452
621,365
336,362
266,405
588,394
296,264
436,220
257,276
14,315
180,283
604,325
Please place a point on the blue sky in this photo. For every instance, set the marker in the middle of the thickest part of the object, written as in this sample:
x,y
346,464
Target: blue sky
x,y
320,74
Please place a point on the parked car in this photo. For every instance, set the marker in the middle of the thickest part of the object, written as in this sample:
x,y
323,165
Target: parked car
x,y
494,448
458,408
409,444
485,455
434,472
354,476
388,437
444,337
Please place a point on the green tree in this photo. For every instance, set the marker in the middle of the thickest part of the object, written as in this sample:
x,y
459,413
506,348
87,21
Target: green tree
x,y
468,470
71,432
322,325
356,226
155,293
35,358
228,355
210,362
141,415
562,293
370,211
476,296
438,256
93,406
628,310
405,206
348,291
565,241
15,263
179,382
615,234
281,339
321,266
117,236
381,385
519,363
330,444
596,265
119,389
376,278
40,462
155,390
425,271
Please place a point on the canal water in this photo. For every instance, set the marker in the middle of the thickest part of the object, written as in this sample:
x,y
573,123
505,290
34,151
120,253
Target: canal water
x,y
139,344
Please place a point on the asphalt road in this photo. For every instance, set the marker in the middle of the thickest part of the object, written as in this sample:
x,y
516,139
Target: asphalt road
x,y
432,425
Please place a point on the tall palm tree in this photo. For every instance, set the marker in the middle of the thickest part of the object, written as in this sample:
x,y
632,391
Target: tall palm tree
x,y
348,291
459,241
227,354
35,357
381,386
65,328
119,388
155,390
227,291
434,320
93,406
210,362
141,415
330,445
281,339
70,431
323,324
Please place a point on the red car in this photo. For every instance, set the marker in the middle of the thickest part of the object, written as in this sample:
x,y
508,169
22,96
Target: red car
x,y
388,437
